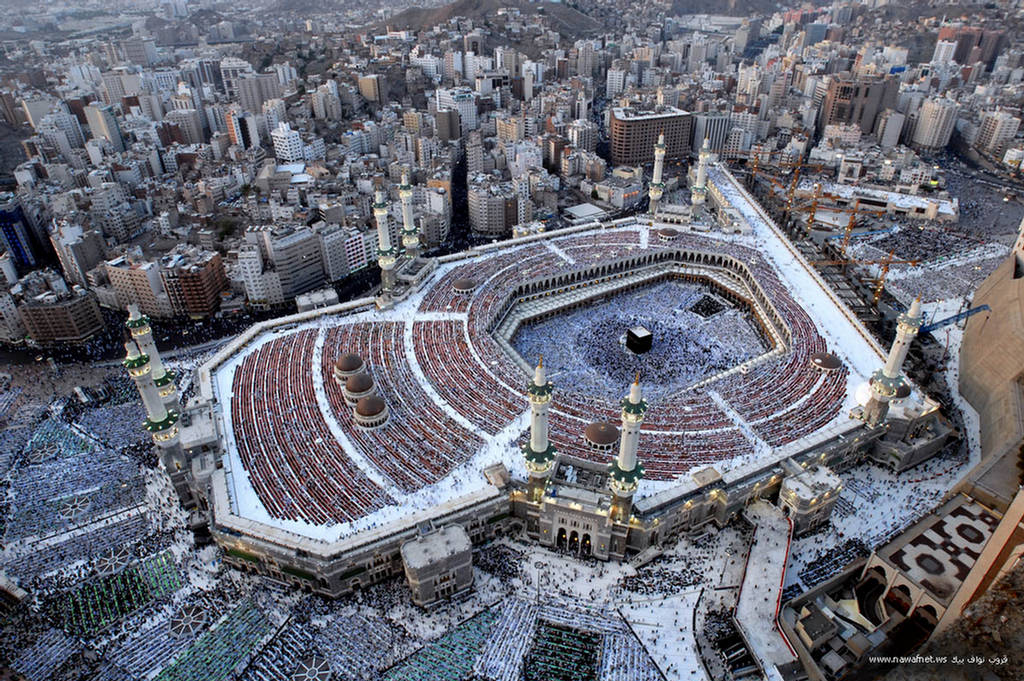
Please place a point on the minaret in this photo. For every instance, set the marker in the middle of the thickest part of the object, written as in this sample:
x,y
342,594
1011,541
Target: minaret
x,y
657,187
138,325
700,186
387,254
539,452
161,422
410,233
887,380
625,472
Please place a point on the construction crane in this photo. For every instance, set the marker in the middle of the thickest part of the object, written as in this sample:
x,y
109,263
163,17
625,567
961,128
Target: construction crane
x,y
885,261
955,318
754,157
812,212
879,285
790,190
852,223
874,232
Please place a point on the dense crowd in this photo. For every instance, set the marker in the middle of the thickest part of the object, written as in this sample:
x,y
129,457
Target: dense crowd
x,y
648,581
686,346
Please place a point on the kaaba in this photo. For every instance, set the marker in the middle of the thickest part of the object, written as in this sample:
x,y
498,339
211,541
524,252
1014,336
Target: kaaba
x,y
638,340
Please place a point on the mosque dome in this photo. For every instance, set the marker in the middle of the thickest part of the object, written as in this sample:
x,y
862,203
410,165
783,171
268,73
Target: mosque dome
x,y
464,284
358,383
601,433
349,363
370,406
825,361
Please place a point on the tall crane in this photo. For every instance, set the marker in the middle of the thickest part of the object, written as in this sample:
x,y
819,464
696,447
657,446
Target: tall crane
x,y
794,181
879,284
849,234
954,318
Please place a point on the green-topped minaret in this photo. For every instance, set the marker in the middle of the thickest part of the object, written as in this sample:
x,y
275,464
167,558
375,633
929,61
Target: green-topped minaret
x,y
625,472
539,452
161,422
387,255
410,233
163,379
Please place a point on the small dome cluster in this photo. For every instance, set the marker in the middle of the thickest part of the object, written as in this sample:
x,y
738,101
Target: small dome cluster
x,y
369,410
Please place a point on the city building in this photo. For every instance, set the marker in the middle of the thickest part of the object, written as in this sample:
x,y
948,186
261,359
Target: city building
x,y
634,133
52,313
935,123
194,280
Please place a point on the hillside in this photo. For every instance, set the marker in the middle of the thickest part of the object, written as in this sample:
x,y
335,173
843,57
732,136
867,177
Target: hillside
x,y
566,20
728,7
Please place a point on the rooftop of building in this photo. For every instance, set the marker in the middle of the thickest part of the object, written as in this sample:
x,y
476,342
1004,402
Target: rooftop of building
x,y
938,551
634,114
435,546
813,482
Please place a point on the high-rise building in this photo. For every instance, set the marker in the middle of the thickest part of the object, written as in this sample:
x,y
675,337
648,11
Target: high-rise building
x,y
288,147
261,283
634,134
462,100
295,254
286,73
342,250
944,52
231,69
66,123
493,207
242,128
997,129
326,102
509,128
615,82
711,126
189,122
104,125
194,279
374,88
12,329
136,280
53,313
583,135
78,250
935,122
858,100
889,128
274,113
16,234
256,88
448,125
141,51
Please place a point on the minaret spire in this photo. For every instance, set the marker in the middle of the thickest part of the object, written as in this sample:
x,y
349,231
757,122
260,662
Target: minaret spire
x,y
625,472
539,452
161,420
657,187
700,186
387,255
138,326
886,381
410,233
